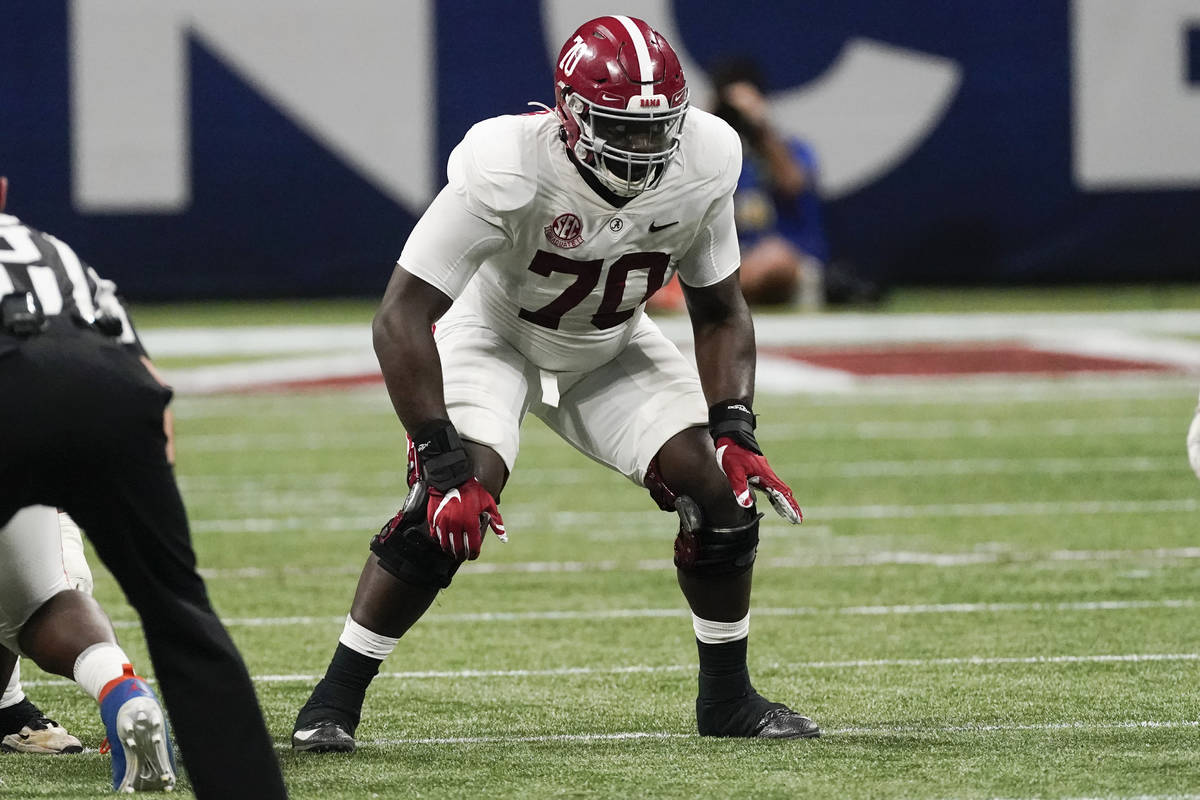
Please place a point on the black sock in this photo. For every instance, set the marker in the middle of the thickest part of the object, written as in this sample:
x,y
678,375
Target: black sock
x,y
722,659
345,684
15,717
723,672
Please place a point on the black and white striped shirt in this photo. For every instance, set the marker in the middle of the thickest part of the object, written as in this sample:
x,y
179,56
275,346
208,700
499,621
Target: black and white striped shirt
x,y
32,261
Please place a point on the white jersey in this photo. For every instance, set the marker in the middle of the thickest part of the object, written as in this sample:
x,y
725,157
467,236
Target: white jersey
x,y
520,238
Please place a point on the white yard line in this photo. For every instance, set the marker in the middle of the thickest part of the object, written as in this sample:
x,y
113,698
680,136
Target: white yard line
x,y
863,559
315,352
643,669
622,524
872,429
1119,796
264,485
863,730
1004,390
975,429
682,613
773,329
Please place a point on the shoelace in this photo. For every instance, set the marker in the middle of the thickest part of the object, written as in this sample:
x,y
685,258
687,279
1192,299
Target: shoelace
x,y
105,747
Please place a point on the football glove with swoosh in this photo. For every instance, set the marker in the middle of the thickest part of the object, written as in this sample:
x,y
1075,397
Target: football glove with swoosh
x,y
731,424
459,508
460,516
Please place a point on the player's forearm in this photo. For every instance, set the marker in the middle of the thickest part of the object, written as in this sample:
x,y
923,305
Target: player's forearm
x,y
403,336
725,356
412,370
723,332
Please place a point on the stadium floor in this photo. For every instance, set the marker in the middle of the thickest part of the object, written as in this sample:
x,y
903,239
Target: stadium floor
x,y
993,595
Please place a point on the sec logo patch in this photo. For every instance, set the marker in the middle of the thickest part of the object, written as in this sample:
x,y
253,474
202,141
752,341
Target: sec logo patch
x,y
566,231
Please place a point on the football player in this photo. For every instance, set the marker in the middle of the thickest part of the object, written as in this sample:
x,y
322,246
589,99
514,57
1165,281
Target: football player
x,y
1193,443
67,632
24,728
86,431
535,263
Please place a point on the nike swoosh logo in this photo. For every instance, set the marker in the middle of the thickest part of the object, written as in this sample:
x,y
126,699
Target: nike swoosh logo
x,y
654,228
450,495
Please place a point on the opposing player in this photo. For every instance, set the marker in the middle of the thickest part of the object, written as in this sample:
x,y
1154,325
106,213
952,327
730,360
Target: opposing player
x,y
25,728
1193,443
535,262
66,632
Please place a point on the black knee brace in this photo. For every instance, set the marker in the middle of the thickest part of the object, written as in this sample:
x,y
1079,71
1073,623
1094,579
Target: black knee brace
x,y
709,551
407,551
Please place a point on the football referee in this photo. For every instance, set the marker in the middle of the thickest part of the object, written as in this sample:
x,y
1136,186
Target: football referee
x,y
83,417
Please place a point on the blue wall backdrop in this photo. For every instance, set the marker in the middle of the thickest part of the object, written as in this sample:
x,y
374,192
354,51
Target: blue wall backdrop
x,y
217,148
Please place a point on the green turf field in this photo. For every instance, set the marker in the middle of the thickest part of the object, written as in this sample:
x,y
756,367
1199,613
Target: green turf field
x,y
994,595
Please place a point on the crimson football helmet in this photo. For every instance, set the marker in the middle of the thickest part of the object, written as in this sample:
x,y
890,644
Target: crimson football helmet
x,y
621,96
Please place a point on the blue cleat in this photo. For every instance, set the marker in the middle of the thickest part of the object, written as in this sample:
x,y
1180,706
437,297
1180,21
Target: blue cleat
x,y
142,760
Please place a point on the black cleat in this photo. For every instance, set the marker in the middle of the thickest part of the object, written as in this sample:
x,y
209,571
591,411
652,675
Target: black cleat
x,y
323,736
25,729
781,722
744,713
327,722
753,716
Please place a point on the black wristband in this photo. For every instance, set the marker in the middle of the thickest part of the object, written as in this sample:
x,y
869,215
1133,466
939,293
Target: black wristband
x,y
733,418
443,460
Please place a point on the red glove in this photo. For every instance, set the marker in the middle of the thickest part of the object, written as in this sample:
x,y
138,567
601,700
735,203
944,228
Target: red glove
x,y
459,517
745,468
731,423
459,509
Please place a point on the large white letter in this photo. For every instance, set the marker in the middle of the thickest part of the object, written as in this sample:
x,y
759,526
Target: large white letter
x,y
1136,119
357,75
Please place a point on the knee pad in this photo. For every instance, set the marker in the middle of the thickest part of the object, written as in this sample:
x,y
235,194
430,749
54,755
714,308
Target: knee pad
x,y
709,551
407,551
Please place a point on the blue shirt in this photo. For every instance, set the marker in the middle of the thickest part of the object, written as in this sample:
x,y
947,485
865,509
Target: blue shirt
x,y
759,213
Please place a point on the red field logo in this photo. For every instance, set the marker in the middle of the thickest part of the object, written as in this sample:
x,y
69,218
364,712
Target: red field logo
x,y
566,231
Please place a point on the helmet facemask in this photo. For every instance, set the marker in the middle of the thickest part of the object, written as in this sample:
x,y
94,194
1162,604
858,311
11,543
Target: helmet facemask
x,y
627,150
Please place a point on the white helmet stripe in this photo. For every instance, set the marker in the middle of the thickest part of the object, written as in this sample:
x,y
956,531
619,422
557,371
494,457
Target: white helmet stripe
x,y
643,54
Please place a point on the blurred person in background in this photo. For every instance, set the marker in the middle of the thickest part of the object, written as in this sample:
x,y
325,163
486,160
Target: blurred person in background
x,y
778,209
777,206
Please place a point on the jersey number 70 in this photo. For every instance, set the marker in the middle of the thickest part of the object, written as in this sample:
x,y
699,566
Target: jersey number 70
x,y
587,275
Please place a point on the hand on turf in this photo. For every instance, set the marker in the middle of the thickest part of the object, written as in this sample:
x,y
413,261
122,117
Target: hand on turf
x,y
746,469
459,517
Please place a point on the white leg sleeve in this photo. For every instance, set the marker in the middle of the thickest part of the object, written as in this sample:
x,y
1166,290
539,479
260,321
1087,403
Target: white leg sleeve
x,y
365,641
1193,443
79,575
13,693
31,568
99,664
711,632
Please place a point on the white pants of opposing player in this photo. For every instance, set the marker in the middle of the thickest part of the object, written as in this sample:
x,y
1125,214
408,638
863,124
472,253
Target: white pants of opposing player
x,y
619,414
41,554
1193,443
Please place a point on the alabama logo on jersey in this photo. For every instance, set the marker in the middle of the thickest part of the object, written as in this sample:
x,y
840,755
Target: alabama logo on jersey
x,y
566,231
